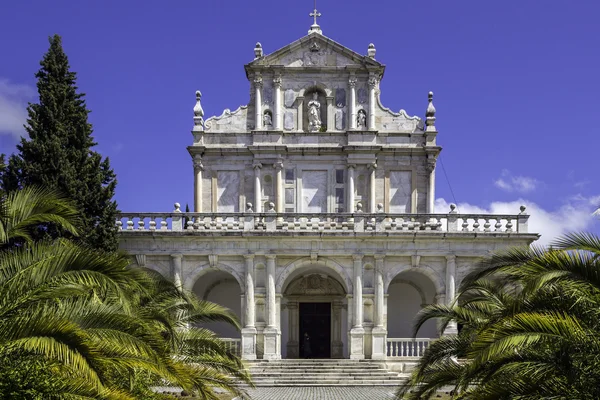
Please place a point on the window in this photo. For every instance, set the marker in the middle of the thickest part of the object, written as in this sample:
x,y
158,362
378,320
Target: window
x,y
339,190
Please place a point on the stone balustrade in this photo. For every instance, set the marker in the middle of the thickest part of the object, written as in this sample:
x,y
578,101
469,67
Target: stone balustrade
x,y
323,222
407,347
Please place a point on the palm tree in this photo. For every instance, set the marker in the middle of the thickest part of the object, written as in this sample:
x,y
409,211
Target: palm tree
x,y
91,320
531,328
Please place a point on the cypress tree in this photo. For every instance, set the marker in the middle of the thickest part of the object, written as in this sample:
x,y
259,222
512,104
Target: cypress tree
x,y
59,155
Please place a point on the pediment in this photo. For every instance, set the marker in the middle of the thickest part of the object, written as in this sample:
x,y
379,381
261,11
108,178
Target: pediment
x,y
314,50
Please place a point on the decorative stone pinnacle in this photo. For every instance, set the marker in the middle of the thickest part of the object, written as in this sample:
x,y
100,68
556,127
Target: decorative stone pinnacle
x,y
198,113
430,114
371,51
453,208
523,208
258,51
177,207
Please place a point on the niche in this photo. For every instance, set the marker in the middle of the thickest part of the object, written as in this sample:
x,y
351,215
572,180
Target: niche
x,y
315,110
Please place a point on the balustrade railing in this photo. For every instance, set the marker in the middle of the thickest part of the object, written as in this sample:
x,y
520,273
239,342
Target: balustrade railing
x,y
233,345
323,222
407,347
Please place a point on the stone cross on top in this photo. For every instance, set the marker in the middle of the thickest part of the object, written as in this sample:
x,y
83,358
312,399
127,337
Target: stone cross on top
x,y
315,14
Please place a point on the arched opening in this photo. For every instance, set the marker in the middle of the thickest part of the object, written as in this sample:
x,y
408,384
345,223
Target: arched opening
x,y
221,288
408,292
314,315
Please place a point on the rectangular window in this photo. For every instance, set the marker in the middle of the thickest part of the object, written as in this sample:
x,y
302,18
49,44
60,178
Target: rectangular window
x,y
289,196
339,195
289,190
289,176
400,191
339,176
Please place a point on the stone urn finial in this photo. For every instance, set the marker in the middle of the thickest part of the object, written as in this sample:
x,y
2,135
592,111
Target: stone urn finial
x,y
198,113
258,51
371,51
430,114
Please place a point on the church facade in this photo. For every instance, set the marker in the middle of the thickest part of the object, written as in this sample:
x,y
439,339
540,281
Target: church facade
x,y
314,213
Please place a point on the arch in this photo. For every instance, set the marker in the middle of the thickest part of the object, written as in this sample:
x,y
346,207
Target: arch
x,y
413,285
342,275
202,269
425,270
317,85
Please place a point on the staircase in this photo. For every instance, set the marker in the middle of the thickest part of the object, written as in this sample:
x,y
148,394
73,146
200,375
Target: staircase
x,y
322,373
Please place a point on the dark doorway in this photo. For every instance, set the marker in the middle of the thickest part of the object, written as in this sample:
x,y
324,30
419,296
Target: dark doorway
x,y
315,321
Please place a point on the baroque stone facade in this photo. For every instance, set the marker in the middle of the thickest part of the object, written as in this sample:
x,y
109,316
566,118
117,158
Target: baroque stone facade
x,y
315,193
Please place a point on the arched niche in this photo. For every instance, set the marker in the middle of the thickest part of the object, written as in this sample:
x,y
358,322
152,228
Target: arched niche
x,y
318,95
220,287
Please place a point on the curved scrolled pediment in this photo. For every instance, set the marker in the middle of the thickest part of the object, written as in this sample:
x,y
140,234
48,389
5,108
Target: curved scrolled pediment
x,y
229,121
400,121
315,284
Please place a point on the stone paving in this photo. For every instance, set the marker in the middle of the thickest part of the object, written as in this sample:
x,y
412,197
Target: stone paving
x,y
322,393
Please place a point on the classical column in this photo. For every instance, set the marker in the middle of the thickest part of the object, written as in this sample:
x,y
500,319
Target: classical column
x,y
372,168
249,331
372,87
257,188
357,333
272,335
352,103
431,190
277,105
176,261
198,168
350,195
379,332
278,186
258,83
451,328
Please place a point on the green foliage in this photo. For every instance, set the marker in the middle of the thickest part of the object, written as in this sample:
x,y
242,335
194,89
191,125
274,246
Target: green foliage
x,y
97,327
58,154
530,328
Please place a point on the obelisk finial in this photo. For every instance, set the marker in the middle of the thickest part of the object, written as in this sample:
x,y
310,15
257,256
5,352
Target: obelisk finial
x,y
315,27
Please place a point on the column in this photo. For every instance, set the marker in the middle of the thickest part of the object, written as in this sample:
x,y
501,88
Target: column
x,y
372,168
451,328
277,105
257,188
351,188
176,261
379,350
278,186
249,331
198,168
337,349
272,335
357,332
352,103
372,87
431,190
258,83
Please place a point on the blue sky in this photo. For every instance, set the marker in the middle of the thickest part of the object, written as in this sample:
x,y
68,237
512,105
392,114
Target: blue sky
x,y
516,87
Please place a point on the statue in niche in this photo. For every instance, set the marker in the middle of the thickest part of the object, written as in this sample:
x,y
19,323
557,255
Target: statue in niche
x,y
314,114
361,119
267,120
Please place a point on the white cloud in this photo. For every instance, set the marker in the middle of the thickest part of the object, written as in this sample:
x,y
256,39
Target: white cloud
x,y
574,215
519,184
13,107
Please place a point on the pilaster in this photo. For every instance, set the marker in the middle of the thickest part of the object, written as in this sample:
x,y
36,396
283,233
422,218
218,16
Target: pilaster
x,y
357,333
272,346
379,333
451,328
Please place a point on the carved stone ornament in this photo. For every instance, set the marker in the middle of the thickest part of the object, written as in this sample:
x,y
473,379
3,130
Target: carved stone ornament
x,y
258,81
277,81
373,81
314,47
352,82
315,284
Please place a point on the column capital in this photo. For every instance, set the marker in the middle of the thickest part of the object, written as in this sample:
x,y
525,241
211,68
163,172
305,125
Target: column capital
x,y
278,165
249,257
177,256
372,166
197,160
270,256
451,258
258,81
357,257
277,81
379,257
257,165
373,80
351,166
352,82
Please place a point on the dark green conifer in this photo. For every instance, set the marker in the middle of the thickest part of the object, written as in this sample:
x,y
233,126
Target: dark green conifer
x,y
58,153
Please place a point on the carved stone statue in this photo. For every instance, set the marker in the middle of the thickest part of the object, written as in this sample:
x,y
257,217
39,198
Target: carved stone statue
x,y
267,120
361,119
314,114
